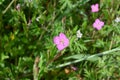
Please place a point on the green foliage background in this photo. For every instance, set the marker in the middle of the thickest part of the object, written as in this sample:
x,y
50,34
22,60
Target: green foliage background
x,y
26,35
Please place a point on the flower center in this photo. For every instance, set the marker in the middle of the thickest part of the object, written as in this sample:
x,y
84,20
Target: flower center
x,y
62,41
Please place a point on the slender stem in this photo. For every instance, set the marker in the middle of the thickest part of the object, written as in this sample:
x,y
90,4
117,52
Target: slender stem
x,y
93,34
86,58
111,43
55,57
8,6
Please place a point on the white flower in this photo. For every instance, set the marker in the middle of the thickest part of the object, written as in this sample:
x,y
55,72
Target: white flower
x,y
117,19
79,34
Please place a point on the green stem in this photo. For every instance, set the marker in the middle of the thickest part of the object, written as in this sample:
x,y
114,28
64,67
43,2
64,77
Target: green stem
x,y
86,58
8,6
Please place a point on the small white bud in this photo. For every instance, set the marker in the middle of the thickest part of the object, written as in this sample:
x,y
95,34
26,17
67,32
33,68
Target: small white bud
x,y
79,34
117,19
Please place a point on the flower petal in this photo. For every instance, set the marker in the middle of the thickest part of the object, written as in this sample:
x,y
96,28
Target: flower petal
x,y
66,42
98,24
96,5
94,25
97,21
98,27
56,40
102,23
95,8
65,39
62,36
60,47
61,41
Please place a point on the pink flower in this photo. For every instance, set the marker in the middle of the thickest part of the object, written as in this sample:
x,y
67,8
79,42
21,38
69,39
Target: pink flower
x,y
98,24
18,7
95,8
61,41
74,68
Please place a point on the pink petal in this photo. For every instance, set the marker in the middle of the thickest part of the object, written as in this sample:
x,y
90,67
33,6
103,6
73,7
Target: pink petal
x,y
63,44
94,25
56,40
60,47
66,42
102,23
92,7
62,36
98,24
96,5
97,20
98,27
95,8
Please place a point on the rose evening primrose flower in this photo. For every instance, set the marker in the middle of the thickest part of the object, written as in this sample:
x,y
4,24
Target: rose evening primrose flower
x,y
61,41
98,24
95,8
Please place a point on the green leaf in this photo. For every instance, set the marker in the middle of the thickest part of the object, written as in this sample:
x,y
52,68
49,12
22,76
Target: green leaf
x,y
78,56
3,56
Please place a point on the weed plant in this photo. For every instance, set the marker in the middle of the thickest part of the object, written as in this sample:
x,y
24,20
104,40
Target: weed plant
x,y
59,40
